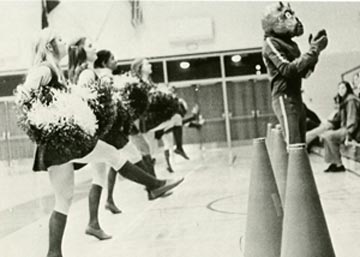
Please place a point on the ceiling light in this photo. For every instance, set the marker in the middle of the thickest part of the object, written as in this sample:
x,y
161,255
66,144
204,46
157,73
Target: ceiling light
x,y
184,65
236,58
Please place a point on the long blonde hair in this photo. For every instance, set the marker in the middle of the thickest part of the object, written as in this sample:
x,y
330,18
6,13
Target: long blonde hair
x,y
136,67
42,54
77,58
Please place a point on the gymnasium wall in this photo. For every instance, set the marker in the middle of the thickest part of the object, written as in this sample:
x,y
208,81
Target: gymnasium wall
x,y
236,25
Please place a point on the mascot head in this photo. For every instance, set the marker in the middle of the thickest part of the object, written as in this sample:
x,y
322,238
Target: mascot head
x,y
280,20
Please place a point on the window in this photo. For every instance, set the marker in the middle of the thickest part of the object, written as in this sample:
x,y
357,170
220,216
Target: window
x,y
244,64
157,72
191,69
121,68
9,83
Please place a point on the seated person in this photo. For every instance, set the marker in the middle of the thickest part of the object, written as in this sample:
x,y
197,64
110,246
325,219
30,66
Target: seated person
x,y
347,119
312,122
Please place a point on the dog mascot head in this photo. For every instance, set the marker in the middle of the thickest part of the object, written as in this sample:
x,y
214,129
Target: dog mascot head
x,y
280,20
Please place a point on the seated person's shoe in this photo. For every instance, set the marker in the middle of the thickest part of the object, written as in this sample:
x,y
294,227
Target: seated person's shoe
x,y
160,191
330,168
339,169
334,168
181,152
112,207
98,233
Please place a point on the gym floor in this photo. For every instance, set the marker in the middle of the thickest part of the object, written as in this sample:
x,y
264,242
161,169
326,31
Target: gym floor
x,y
204,216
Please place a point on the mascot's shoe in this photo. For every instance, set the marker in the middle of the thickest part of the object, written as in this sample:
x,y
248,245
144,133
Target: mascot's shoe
x,y
98,233
113,208
164,189
181,152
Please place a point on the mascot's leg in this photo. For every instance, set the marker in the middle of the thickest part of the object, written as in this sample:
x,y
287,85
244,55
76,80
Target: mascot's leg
x,y
291,115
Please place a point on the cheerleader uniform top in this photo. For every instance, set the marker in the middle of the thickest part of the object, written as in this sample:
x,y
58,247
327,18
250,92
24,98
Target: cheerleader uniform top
x,y
162,107
115,136
127,128
45,155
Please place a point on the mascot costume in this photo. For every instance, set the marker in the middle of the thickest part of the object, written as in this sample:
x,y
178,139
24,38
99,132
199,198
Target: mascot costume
x,y
287,67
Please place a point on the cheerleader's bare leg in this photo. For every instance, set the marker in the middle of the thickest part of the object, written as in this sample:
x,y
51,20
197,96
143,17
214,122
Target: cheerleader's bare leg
x,y
99,178
62,181
110,203
108,154
167,139
143,146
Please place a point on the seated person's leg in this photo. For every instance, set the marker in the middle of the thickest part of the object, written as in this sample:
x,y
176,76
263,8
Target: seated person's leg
x,y
332,141
316,132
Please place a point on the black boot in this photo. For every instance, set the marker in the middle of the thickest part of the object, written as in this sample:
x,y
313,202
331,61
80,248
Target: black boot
x,y
110,204
155,187
57,224
93,227
148,165
138,175
167,158
177,131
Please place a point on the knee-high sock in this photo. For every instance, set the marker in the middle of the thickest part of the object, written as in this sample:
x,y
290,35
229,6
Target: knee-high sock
x,y
177,131
57,224
138,175
111,185
167,158
94,200
148,165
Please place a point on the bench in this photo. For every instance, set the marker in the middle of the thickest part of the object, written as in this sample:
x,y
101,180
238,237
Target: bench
x,y
350,154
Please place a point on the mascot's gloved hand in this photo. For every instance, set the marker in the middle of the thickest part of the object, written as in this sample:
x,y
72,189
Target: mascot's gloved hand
x,y
320,40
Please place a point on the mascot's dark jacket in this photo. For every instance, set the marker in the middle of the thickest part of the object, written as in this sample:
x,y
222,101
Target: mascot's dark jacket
x,y
286,66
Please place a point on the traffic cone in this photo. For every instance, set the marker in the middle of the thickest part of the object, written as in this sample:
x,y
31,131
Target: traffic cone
x,y
269,138
264,216
280,163
305,233
268,134
270,146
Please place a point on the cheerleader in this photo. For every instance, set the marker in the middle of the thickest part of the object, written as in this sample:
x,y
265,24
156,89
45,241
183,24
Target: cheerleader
x,y
142,69
82,55
104,66
193,121
45,79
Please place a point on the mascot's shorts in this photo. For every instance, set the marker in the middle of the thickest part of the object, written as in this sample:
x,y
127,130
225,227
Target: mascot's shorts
x,y
291,114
